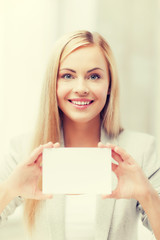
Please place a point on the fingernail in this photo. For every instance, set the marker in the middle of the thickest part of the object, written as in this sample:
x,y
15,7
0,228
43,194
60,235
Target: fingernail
x,y
103,196
56,144
50,196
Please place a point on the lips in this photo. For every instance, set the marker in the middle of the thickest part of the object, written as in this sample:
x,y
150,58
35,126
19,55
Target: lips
x,y
81,102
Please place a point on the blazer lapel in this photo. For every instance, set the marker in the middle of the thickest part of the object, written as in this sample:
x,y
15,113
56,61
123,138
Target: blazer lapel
x,y
104,207
104,213
55,209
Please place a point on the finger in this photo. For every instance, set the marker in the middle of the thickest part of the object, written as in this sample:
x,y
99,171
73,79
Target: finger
x,y
56,145
116,157
37,152
48,145
39,161
107,145
40,196
108,196
112,195
114,167
105,196
110,145
123,154
101,145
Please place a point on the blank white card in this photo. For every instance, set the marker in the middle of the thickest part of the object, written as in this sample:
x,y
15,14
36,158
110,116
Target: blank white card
x,y
76,171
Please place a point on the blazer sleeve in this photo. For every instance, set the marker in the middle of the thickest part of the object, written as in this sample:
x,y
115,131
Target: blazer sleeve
x,y
151,167
9,161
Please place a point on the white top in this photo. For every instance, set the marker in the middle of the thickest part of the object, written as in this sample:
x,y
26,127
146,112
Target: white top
x,y
80,217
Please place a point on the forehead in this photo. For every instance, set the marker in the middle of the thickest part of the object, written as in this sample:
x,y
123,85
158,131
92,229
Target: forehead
x,y
85,56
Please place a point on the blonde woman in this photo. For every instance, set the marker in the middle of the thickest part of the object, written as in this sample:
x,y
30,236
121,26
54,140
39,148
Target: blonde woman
x,y
80,108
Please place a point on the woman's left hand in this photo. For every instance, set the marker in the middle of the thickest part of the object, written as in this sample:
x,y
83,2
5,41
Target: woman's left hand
x,y
132,182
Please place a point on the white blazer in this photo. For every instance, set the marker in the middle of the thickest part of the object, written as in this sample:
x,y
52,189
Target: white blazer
x,y
115,219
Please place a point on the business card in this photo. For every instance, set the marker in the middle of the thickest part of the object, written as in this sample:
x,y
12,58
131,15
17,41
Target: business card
x,y
76,171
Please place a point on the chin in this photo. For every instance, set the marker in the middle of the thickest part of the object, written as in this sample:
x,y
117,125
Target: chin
x,y
80,120
85,120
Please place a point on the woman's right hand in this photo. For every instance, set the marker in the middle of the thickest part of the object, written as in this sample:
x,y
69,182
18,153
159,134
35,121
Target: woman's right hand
x,y
25,178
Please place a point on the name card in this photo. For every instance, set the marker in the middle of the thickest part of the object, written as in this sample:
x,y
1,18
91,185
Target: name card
x,y
76,171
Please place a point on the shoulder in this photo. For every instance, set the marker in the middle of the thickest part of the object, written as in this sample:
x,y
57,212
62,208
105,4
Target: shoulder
x,y
16,152
134,137
140,146
128,139
20,142
19,147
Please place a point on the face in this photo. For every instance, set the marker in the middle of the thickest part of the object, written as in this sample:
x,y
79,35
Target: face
x,y
82,85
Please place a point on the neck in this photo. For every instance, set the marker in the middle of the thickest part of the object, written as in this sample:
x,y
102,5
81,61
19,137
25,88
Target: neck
x,y
81,134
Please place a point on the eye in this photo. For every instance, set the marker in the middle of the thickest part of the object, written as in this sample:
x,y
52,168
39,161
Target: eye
x,y
94,76
67,76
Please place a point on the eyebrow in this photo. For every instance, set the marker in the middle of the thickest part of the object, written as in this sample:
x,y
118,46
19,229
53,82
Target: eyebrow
x,y
93,69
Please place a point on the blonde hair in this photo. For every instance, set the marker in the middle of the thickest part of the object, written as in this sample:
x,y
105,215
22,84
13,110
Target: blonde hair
x,y
49,120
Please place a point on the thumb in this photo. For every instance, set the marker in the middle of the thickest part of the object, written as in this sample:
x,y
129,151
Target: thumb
x,y
101,145
40,196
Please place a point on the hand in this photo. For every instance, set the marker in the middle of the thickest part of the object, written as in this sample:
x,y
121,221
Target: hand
x,y
25,178
132,183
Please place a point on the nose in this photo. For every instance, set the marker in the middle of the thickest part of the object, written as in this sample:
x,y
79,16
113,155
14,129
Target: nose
x,y
81,87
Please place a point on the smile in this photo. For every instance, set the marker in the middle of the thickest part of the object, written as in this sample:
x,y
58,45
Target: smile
x,y
80,102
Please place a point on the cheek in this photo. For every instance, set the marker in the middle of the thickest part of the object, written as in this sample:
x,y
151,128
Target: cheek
x,y
102,92
62,91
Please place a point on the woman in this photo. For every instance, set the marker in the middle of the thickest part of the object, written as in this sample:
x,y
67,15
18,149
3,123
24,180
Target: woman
x,y
80,108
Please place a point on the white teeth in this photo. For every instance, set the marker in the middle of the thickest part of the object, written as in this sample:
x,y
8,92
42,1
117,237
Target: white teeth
x,y
80,103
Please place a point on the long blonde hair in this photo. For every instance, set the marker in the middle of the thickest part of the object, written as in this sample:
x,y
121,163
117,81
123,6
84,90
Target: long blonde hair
x,y
49,120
